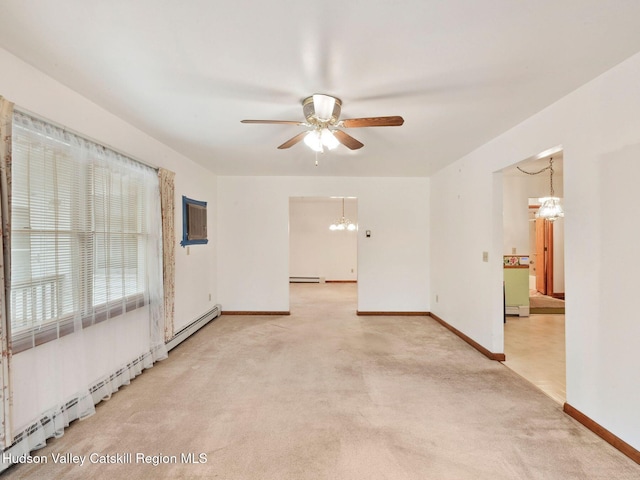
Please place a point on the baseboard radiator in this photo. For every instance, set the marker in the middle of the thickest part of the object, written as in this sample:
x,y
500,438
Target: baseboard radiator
x,y
193,327
306,280
52,425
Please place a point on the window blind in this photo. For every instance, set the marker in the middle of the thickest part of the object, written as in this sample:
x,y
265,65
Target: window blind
x,y
79,231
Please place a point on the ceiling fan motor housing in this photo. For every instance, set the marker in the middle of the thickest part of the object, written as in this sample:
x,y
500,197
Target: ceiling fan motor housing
x,y
309,110
322,113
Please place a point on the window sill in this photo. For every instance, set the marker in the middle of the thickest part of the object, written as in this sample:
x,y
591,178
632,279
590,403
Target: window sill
x,y
52,331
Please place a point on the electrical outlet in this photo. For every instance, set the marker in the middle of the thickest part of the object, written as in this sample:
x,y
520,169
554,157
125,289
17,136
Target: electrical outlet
x,y
485,256
209,297
436,298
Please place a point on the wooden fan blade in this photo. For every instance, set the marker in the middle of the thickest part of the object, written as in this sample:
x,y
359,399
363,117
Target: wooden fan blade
x,y
287,122
394,121
347,140
292,141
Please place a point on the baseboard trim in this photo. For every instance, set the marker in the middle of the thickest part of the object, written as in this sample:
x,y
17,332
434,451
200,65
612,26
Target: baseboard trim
x,y
340,281
306,279
602,432
393,314
498,357
254,312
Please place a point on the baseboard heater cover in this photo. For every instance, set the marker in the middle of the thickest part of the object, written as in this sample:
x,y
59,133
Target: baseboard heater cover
x,y
193,327
306,279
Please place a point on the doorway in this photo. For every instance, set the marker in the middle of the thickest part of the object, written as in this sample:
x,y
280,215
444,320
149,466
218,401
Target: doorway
x,y
323,245
534,333
546,267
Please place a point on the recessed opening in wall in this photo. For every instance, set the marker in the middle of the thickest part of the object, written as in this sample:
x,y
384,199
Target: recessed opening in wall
x,y
533,274
194,222
323,248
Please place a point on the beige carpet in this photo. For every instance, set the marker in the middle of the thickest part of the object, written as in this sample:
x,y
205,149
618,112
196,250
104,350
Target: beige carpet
x,y
324,394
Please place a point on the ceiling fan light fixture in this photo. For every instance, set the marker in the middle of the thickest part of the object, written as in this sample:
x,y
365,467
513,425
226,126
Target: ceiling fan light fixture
x,y
318,139
322,116
328,139
313,141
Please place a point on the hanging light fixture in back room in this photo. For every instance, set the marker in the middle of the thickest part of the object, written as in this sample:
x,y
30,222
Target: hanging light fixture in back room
x,y
343,223
550,207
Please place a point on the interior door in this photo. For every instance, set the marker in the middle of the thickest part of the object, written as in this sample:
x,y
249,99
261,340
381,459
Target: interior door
x,y
544,256
541,277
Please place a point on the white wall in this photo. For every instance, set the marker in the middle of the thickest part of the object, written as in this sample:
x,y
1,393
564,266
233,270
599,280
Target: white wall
x,y
195,274
316,251
599,128
253,240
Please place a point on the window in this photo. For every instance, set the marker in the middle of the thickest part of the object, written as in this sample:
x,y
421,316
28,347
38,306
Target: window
x,y
79,232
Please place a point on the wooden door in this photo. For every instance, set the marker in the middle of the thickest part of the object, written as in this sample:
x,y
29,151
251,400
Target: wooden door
x,y
541,278
544,256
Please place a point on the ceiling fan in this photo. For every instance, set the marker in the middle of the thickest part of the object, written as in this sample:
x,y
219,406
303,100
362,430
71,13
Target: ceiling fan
x,y
322,114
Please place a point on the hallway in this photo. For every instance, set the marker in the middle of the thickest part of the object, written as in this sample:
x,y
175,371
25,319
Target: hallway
x,y
535,348
325,394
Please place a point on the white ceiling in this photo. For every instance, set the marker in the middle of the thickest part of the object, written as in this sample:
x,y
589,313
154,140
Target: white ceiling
x,y
460,72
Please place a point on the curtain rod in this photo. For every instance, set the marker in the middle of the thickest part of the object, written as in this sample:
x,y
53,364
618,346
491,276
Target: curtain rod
x,y
64,128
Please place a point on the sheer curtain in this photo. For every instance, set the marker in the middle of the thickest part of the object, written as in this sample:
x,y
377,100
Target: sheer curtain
x,y
86,289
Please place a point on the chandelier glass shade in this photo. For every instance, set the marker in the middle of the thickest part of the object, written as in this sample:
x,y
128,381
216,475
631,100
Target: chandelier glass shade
x,y
343,223
550,207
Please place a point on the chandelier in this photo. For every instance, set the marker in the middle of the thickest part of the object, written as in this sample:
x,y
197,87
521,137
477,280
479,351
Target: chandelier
x,y
550,207
343,223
